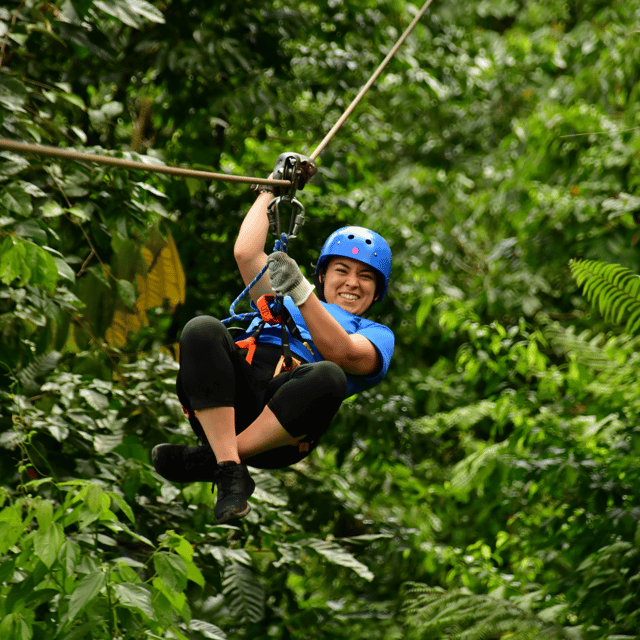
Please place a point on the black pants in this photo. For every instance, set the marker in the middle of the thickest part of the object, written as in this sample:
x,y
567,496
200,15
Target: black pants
x,y
214,373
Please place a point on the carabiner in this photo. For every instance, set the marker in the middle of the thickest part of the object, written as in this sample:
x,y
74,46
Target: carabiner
x,y
297,216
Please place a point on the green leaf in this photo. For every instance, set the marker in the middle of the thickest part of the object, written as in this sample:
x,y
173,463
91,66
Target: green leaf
x,y
13,94
64,270
11,527
147,10
86,591
135,596
79,213
28,263
13,262
68,556
48,542
207,629
172,570
31,229
129,11
613,289
45,273
15,199
194,574
51,209
556,613
95,400
73,99
7,569
93,498
333,552
7,626
15,163
44,514
423,311
123,504
82,7
127,293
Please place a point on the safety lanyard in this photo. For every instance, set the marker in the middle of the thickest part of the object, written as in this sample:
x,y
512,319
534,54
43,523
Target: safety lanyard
x,y
266,305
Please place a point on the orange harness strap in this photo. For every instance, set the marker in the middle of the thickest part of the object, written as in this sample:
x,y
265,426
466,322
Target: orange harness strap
x,y
281,366
250,345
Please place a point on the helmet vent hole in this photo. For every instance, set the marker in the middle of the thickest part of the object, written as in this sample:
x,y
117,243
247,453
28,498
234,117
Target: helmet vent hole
x,y
368,241
351,237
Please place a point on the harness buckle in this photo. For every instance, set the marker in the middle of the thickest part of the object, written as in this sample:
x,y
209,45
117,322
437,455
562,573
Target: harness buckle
x,y
264,305
283,366
250,344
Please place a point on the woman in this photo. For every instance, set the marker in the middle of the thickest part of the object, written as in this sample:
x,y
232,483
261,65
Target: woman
x,y
242,412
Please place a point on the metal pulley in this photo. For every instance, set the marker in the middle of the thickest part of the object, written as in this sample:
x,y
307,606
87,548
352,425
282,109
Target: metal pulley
x,y
298,169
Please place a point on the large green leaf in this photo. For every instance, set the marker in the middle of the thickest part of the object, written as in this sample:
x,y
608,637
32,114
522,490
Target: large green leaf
x,y
48,541
336,554
172,570
85,592
135,596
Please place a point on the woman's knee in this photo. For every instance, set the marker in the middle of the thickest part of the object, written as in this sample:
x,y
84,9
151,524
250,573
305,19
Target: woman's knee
x,y
331,378
201,329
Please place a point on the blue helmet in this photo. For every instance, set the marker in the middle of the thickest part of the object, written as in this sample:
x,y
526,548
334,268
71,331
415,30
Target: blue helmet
x,y
363,245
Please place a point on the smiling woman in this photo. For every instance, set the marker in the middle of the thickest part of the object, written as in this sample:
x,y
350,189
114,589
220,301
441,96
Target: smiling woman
x,y
350,284
242,406
361,248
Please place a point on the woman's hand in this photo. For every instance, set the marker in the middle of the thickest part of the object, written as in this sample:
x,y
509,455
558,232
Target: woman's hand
x,y
286,279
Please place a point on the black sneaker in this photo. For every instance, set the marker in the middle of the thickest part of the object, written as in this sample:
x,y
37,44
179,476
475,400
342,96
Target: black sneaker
x,y
179,463
235,485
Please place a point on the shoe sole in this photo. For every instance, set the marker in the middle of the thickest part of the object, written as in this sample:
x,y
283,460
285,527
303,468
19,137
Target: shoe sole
x,y
235,516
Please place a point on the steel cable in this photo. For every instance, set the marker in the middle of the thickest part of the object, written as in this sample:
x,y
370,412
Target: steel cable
x,y
370,82
72,154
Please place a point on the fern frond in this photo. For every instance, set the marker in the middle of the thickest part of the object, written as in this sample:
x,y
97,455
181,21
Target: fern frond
x,y
614,290
461,417
37,368
244,595
470,473
333,552
461,615
583,348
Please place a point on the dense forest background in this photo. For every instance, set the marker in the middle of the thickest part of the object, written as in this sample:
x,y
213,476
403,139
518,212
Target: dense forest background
x,y
490,487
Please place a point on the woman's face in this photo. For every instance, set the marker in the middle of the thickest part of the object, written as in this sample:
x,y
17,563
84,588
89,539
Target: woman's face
x,y
350,284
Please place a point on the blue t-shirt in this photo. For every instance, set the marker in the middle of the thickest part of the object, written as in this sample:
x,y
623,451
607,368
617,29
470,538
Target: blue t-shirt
x,y
381,338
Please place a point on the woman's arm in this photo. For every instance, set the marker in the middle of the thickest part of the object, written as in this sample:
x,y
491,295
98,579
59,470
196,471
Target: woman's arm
x,y
249,248
353,353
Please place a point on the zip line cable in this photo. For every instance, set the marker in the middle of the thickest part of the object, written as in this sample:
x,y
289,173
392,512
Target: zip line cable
x,y
370,82
72,154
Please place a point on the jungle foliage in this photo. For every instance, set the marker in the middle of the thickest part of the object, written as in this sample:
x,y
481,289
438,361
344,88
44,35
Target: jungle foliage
x,y
489,487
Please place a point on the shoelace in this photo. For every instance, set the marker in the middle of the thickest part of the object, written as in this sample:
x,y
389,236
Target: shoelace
x,y
225,477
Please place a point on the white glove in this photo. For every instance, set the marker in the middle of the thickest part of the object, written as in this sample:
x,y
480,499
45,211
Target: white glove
x,y
286,279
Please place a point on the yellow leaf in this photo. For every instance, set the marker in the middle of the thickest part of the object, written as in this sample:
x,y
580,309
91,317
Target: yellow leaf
x,y
164,281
